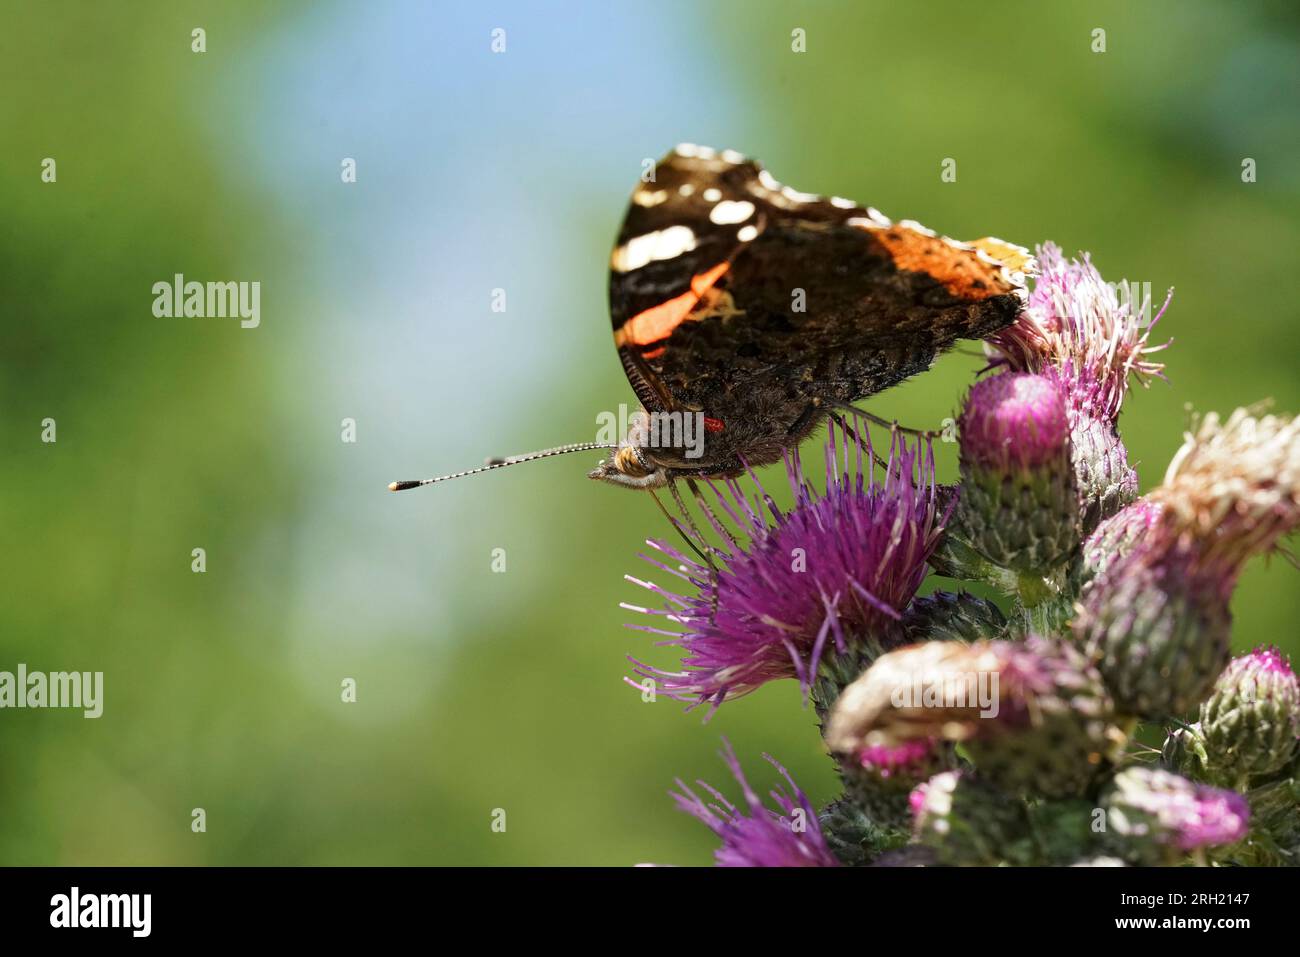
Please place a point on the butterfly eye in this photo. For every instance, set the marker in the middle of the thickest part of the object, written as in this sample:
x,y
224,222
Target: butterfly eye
x,y
629,461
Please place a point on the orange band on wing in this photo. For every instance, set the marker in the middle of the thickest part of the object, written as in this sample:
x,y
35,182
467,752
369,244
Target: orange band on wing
x,y
962,271
658,322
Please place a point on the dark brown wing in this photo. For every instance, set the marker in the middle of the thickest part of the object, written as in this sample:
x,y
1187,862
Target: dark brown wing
x,y
739,297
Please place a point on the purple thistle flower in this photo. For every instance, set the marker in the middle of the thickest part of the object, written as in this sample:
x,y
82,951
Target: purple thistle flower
x,y
1075,324
916,799
791,837
1076,329
1269,660
835,570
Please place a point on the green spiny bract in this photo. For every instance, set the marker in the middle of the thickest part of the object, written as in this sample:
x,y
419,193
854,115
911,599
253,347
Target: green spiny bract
x,y
948,616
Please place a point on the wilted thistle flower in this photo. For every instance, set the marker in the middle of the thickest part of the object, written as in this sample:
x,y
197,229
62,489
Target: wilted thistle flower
x,y
1156,618
1235,485
1076,328
1033,716
832,573
1019,506
1156,815
1252,717
757,836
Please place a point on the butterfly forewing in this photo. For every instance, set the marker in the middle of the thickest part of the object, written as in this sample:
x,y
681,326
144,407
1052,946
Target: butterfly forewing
x,y
754,303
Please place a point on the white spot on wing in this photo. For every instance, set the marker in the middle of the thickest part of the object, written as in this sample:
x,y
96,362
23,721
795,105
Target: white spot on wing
x,y
799,197
712,194
874,219
645,197
747,233
842,203
692,151
652,247
731,211
916,227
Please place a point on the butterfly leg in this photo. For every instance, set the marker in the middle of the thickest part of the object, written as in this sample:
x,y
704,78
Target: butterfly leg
x,y
676,524
709,514
803,425
843,423
883,422
703,549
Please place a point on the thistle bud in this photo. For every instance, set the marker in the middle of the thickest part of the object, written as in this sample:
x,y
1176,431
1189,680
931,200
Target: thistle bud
x,y
966,822
1118,535
1019,503
1275,803
1060,732
1106,481
851,834
1154,816
1158,627
948,616
1252,717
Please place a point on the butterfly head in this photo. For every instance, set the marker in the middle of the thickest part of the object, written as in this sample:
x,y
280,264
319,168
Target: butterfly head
x,y
630,466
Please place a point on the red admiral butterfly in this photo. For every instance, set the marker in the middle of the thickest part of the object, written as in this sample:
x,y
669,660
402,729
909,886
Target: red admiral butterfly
x,y
753,312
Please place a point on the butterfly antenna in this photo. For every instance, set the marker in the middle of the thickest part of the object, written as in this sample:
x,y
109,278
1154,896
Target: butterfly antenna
x,y
500,462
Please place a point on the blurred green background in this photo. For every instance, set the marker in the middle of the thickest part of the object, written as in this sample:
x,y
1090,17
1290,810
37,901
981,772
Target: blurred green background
x,y
479,171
